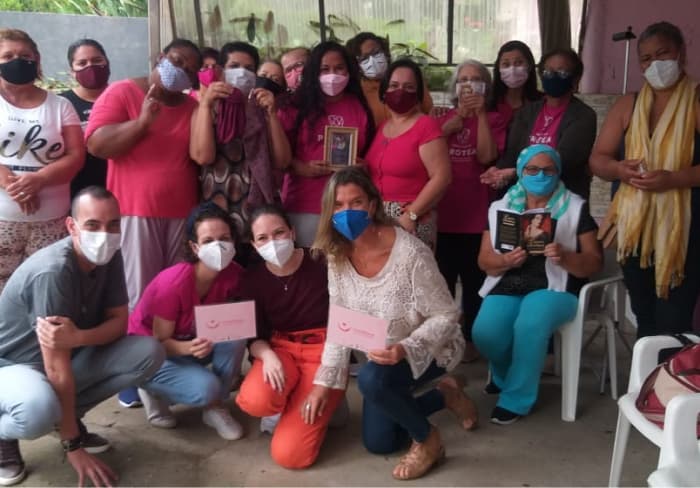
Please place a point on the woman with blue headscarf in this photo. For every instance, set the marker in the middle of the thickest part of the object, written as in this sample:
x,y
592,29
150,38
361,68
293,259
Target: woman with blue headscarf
x,y
529,294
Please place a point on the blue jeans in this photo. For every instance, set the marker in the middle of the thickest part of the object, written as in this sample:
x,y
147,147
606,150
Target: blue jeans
x,y
188,381
390,413
29,407
513,332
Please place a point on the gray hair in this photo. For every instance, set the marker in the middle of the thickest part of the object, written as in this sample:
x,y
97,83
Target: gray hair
x,y
483,72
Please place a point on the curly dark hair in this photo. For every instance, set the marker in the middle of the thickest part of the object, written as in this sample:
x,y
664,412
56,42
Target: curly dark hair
x,y
239,46
499,89
309,98
204,211
571,55
353,45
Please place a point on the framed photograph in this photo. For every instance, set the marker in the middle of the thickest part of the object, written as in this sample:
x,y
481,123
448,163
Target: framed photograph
x,y
340,146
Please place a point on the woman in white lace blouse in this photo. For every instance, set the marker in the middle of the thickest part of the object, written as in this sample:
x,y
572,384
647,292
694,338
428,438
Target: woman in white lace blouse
x,y
381,270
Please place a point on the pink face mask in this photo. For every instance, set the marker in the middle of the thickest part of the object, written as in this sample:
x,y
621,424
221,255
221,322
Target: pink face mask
x,y
207,76
514,76
293,79
332,84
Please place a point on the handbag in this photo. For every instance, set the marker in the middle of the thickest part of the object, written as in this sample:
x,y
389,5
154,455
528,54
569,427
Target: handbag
x,y
678,375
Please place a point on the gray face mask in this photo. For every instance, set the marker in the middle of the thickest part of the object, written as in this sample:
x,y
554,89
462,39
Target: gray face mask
x,y
173,78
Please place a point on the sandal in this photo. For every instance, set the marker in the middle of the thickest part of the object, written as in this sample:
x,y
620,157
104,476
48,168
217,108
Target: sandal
x,y
421,457
463,407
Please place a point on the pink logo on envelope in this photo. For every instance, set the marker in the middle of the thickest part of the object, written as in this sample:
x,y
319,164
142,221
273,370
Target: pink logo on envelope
x,y
225,321
356,330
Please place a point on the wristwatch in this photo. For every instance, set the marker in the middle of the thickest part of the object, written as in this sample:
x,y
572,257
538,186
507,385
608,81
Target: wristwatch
x,y
70,445
412,215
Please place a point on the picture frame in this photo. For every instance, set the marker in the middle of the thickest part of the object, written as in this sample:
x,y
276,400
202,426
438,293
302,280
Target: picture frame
x,y
340,146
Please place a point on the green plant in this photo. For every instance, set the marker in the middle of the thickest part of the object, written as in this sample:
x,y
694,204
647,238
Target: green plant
x,y
274,36
418,52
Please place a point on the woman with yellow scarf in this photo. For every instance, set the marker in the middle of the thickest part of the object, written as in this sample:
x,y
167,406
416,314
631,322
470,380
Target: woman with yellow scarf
x,y
650,142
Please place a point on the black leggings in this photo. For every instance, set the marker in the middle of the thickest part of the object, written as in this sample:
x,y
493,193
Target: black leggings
x,y
665,316
457,256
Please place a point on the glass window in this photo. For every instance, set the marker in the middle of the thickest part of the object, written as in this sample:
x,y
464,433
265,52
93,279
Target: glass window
x,y
270,25
414,27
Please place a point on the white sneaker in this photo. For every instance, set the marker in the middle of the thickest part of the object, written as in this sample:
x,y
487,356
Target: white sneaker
x,y
268,424
157,411
225,425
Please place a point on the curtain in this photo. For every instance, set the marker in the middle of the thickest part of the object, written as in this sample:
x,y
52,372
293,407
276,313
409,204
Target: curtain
x,y
555,24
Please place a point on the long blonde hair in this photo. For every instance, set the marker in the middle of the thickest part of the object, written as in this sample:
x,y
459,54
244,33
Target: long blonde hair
x,y
329,241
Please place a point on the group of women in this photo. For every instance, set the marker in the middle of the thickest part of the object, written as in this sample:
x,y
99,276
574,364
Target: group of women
x,y
388,236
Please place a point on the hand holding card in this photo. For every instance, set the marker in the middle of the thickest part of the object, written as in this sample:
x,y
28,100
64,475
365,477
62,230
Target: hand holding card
x,y
356,330
226,321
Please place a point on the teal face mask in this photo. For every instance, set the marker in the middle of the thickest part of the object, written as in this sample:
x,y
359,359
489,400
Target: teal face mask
x,y
540,184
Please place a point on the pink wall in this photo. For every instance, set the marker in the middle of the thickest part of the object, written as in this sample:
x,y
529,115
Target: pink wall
x,y
605,60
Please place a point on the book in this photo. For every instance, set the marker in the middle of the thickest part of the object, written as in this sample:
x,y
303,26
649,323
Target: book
x,y
532,230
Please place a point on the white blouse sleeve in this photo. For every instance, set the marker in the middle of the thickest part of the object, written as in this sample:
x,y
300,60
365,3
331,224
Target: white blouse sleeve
x,y
333,371
439,336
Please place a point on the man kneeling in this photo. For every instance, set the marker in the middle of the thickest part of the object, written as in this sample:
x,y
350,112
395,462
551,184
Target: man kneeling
x,y
63,343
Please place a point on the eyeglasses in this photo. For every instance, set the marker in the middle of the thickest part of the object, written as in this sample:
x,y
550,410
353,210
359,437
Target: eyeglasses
x,y
299,65
366,56
535,170
552,73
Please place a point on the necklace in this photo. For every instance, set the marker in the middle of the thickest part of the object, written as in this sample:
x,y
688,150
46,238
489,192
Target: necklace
x,y
285,283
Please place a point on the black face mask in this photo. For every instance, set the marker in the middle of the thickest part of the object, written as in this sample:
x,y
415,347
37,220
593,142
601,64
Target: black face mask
x,y
555,85
268,84
19,71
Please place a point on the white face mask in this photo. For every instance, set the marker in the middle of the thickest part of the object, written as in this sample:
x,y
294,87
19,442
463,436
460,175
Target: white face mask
x,y
374,66
277,251
99,247
241,78
478,87
514,76
662,73
216,255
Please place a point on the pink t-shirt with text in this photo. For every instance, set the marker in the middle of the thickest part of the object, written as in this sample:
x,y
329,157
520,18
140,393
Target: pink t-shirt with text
x,y
544,131
395,164
172,295
464,207
301,194
155,178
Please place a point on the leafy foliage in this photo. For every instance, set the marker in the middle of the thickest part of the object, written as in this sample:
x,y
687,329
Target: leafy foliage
x,y
115,8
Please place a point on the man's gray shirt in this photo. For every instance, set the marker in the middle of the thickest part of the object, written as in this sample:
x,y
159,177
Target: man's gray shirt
x,y
50,282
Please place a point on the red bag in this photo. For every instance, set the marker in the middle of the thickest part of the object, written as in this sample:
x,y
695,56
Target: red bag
x,y
678,375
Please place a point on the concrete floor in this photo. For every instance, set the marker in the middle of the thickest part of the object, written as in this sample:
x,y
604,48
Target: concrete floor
x,y
540,450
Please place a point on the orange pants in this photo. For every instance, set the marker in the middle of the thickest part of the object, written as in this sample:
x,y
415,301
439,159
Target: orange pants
x,y
295,445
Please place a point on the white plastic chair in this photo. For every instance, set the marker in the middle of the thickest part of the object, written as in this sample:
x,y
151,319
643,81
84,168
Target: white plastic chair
x,y
679,461
569,337
644,360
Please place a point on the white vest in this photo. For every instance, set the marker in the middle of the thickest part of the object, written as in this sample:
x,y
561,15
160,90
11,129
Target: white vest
x,y
564,233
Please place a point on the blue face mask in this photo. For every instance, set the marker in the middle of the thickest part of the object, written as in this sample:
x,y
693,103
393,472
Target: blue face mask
x,y
351,223
540,184
173,78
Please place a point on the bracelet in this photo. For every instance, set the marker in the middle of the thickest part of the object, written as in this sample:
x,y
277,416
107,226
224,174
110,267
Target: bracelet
x,y
71,445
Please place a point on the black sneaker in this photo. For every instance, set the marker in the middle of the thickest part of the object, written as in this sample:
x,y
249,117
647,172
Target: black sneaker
x,y
501,416
92,443
11,464
492,389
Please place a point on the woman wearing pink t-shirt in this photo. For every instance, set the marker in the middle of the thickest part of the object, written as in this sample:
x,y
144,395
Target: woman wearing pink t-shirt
x,y
166,311
142,127
408,159
559,120
329,95
475,137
